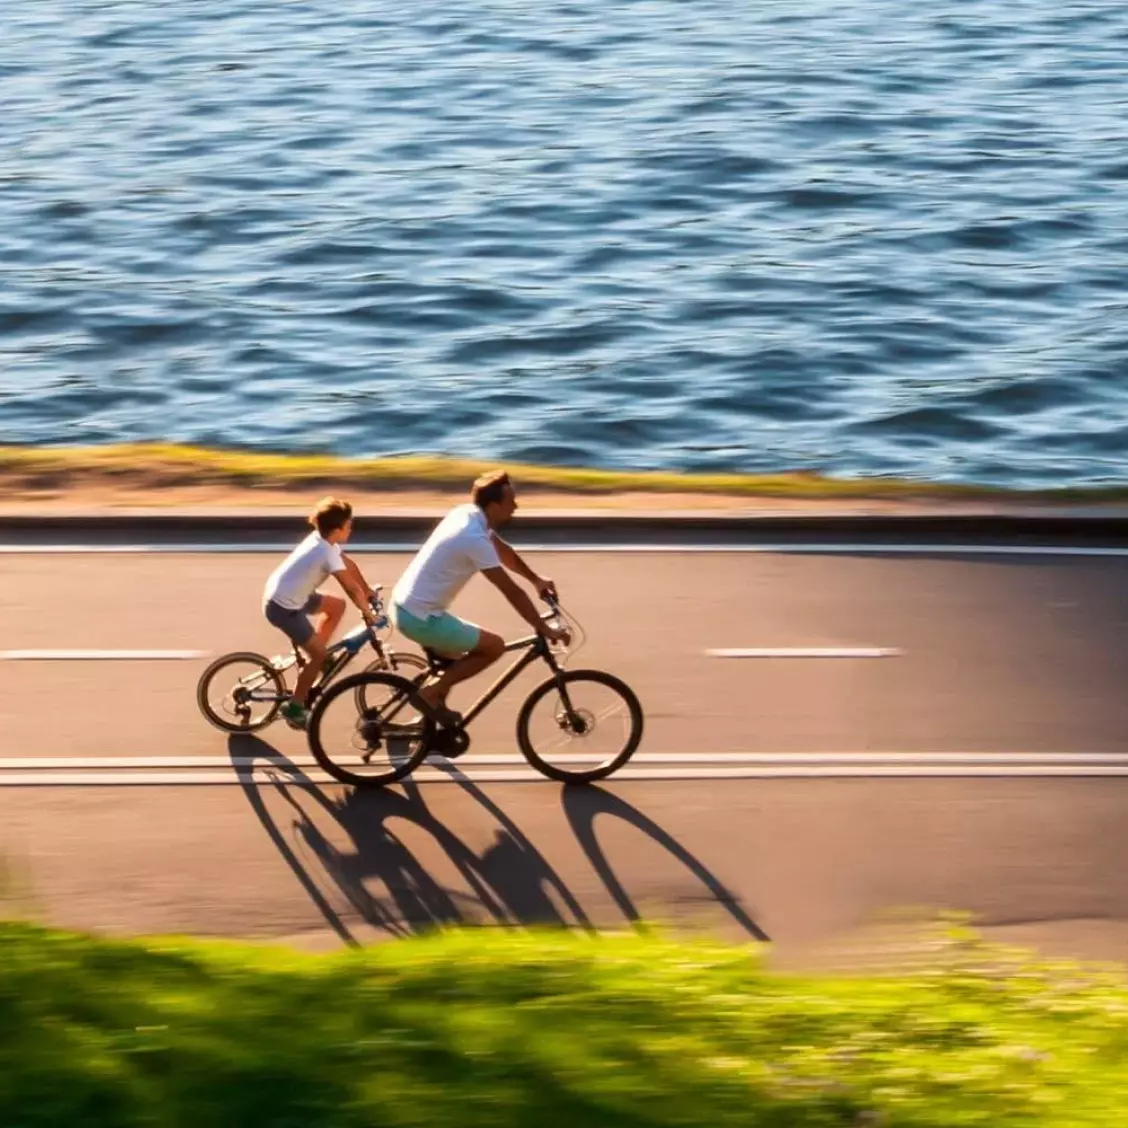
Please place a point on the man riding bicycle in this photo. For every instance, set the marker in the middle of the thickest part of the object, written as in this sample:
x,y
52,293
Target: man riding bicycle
x,y
291,595
465,542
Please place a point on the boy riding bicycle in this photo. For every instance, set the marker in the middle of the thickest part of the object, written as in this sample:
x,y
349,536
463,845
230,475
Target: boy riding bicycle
x,y
291,595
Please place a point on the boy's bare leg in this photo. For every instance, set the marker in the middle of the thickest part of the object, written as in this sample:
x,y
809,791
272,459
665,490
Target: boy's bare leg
x,y
315,652
329,615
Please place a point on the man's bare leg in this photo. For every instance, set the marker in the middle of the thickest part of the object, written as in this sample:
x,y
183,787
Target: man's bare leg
x,y
489,649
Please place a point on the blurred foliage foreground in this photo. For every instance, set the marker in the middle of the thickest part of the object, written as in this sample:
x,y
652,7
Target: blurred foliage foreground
x,y
541,1029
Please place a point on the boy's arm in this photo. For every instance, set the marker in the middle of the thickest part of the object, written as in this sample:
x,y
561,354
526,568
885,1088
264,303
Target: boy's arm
x,y
353,570
357,591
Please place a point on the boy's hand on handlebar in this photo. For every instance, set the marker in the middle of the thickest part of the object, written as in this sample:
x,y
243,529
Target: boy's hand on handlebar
x,y
546,589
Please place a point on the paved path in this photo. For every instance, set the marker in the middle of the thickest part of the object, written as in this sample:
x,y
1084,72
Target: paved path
x,y
1014,660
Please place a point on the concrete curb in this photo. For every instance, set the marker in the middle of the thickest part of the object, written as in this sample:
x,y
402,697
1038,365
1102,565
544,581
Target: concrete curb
x,y
585,527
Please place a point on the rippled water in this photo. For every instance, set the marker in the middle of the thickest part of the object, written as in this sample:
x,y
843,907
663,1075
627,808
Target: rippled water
x,y
861,238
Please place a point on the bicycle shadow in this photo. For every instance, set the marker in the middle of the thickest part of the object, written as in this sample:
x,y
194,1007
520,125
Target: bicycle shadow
x,y
510,883
583,805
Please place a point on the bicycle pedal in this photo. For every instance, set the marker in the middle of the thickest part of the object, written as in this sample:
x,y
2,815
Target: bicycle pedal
x,y
450,743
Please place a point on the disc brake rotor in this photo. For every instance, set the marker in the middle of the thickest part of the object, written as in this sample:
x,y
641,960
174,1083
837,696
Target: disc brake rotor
x,y
579,723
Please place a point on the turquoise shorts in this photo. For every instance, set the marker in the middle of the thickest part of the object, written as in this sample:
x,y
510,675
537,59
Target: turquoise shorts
x,y
444,633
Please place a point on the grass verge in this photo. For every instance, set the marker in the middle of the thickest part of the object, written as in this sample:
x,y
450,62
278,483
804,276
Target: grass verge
x,y
543,1029
158,465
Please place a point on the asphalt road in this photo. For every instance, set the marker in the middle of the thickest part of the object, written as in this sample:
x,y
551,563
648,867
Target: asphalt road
x,y
1016,656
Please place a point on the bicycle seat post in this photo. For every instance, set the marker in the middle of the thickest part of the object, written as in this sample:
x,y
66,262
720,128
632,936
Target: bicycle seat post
x,y
438,662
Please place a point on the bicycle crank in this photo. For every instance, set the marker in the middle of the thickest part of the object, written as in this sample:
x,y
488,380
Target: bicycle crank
x,y
450,743
370,730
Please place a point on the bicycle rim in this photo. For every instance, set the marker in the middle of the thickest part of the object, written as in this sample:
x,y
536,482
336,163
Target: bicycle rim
x,y
240,692
580,726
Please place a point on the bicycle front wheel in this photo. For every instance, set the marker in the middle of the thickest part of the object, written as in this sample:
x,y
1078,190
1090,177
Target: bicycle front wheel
x,y
375,745
240,692
580,726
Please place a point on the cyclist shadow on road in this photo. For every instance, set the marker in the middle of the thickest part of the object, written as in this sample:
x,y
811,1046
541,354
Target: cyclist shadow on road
x,y
510,883
583,805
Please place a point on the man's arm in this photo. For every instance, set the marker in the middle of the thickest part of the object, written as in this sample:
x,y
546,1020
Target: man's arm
x,y
522,604
508,556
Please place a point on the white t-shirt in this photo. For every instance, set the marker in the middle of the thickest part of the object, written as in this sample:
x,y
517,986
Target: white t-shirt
x,y
460,546
303,572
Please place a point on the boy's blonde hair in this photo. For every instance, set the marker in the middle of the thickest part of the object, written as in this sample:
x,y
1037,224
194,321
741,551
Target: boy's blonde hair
x,y
330,514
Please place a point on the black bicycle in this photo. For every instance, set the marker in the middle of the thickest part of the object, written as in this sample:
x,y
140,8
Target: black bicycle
x,y
244,691
577,726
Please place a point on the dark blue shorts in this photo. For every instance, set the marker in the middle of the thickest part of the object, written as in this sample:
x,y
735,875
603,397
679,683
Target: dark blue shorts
x,y
295,625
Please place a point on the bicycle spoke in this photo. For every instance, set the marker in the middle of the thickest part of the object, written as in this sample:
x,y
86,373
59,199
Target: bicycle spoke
x,y
573,741
240,692
594,730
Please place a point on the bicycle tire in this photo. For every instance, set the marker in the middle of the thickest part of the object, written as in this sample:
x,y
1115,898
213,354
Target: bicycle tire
x,y
394,663
251,658
600,771
352,685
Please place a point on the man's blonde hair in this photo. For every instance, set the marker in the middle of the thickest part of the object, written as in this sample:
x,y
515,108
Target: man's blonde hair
x,y
489,487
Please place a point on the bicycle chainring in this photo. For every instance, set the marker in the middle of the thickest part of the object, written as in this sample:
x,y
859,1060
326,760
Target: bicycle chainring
x,y
370,730
450,743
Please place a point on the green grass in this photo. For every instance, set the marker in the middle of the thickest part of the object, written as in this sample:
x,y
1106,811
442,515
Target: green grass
x,y
165,464
493,1028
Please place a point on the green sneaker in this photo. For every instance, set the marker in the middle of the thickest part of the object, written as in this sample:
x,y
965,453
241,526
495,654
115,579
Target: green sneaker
x,y
295,715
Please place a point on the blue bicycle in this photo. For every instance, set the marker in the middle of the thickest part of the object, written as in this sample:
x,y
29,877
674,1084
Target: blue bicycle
x,y
244,691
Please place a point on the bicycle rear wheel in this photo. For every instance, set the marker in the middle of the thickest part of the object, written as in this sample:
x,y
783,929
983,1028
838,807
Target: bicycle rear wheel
x,y
407,664
580,726
240,692
375,745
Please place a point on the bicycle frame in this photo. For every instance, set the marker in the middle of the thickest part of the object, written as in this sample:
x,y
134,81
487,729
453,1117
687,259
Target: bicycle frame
x,y
535,646
354,642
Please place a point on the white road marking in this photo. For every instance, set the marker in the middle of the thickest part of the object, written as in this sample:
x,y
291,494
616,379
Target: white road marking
x,y
804,652
866,549
627,775
101,655
179,771
762,759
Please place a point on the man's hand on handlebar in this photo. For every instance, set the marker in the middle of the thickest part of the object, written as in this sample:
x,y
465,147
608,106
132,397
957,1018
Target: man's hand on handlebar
x,y
546,589
556,634
552,626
